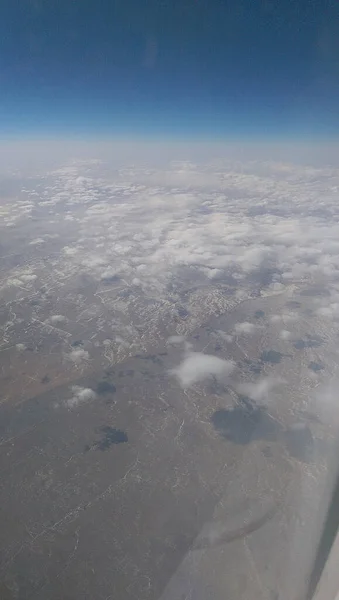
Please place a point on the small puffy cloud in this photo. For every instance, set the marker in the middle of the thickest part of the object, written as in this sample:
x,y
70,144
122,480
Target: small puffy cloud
x,y
109,274
20,347
14,282
252,258
123,343
214,273
197,366
37,242
28,278
260,390
78,355
70,251
331,310
285,334
57,319
80,396
51,236
245,328
92,262
83,181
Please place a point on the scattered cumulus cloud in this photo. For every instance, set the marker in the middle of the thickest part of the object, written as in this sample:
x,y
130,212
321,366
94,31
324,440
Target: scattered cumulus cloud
x,y
37,242
260,390
14,282
80,395
109,274
331,310
20,347
208,217
78,355
244,328
70,251
122,342
238,227
28,278
285,334
198,366
55,319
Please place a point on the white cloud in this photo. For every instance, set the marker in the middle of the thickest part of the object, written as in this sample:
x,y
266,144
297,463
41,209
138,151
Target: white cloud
x,y
70,251
218,229
14,282
27,278
245,328
214,273
260,390
57,319
80,396
122,342
78,355
37,242
197,366
20,347
331,310
285,334
109,273
217,223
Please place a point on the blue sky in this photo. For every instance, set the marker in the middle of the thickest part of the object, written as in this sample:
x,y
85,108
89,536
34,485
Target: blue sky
x,y
177,68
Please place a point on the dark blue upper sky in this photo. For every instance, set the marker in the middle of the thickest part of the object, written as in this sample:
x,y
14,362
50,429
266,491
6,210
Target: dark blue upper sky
x,y
178,67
